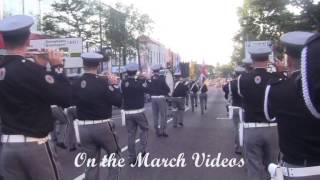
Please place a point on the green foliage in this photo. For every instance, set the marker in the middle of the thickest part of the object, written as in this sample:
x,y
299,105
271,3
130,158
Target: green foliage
x,y
75,18
78,18
124,26
269,19
224,70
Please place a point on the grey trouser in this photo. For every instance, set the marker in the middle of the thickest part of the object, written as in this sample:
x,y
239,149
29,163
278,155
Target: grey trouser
x,y
159,110
187,99
284,164
194,100
236,121
261,148
203,101
25,161
133,122
178,104
60,132
71,141
93,139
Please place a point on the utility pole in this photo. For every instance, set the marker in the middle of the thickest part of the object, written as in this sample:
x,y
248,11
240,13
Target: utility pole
x,y
40,15
100,24
138,52
22,6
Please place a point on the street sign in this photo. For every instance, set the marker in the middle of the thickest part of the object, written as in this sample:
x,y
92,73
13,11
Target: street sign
x,y
72,48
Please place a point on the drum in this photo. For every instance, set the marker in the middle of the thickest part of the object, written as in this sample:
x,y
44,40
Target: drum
x,y
169,80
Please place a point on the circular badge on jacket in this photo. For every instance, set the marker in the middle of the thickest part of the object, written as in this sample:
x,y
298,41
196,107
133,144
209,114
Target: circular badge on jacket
x,y
257,79
2,73
49,79
83,84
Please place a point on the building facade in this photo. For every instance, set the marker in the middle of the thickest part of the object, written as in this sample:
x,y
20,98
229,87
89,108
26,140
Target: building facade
x,y
153,52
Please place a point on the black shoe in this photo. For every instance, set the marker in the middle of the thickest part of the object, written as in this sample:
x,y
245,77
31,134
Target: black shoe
x,y
196,105
61,145
143,154
72,149
158,133
175,126
205,108
181,124
238,153
165,135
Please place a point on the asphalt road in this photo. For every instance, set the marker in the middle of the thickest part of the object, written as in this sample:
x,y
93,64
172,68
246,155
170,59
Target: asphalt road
x,y
211,133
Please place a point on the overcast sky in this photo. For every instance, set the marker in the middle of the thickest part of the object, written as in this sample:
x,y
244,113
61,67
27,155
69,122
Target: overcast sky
x,y
196,29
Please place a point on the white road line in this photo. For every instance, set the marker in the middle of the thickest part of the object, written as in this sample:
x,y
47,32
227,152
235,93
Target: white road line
x,y
187,109
81,177
223,118
125,148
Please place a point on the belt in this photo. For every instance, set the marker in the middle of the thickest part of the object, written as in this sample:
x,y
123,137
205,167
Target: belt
x,y
301,172
23,139
301,161
134,111
257,125
157,97
91,122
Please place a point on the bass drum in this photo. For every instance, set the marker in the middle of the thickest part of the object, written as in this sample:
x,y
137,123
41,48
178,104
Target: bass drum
x,y
169,80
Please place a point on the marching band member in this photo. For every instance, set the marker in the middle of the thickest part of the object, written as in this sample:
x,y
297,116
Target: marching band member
x,y
194,89
94,97
159,91
284,102
178,100
260,136
27,90
133,90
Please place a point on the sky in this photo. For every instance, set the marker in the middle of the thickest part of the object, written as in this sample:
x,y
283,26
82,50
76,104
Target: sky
x,y
199,30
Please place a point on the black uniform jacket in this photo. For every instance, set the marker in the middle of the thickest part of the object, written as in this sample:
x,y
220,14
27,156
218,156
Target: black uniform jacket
x,y
194,88
94,97
299,131
26,92
158,86
180,90
133,91
236,99
204,88
252,88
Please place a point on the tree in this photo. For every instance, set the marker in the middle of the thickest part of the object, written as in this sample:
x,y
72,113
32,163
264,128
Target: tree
x,y
269,19
124,27
72,18
224,70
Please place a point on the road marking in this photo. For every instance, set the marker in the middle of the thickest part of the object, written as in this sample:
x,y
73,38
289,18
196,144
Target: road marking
x,y
81,177
187,109
126,147
223,118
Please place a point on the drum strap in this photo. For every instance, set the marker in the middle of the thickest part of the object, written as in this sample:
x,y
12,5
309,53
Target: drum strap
x,y
177,84
194,84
